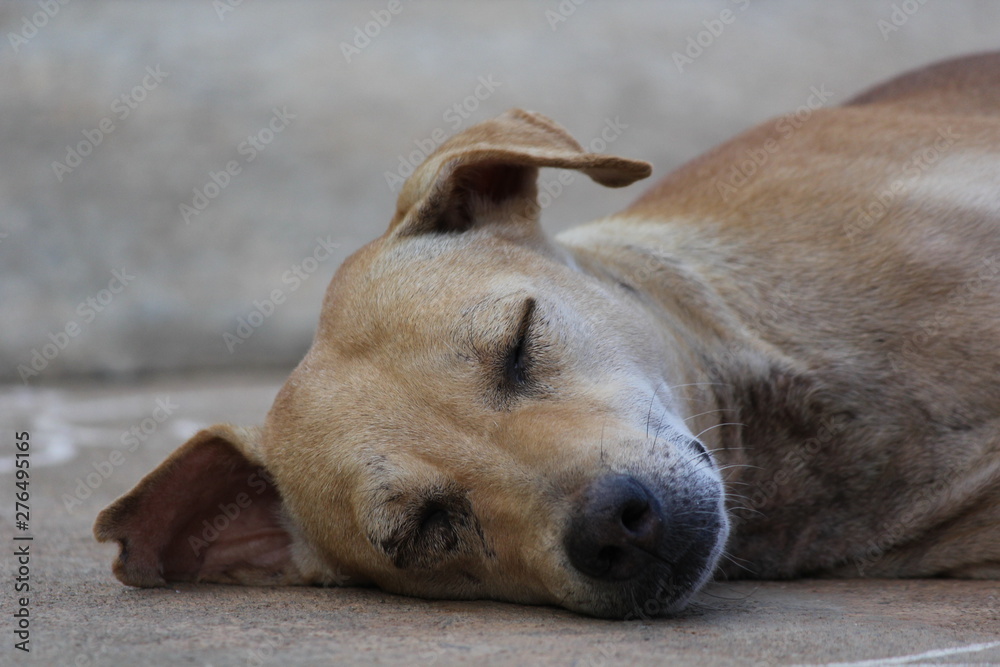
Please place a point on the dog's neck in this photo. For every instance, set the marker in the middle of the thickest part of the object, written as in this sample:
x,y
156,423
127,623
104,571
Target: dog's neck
x,y
753,405
721,367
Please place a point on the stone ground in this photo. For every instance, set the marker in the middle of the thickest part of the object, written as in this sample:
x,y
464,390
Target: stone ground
x,y
80,615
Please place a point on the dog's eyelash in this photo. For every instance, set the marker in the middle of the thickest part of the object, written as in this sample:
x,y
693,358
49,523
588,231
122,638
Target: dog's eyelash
x,y
434,532
429,529
517,359
433,518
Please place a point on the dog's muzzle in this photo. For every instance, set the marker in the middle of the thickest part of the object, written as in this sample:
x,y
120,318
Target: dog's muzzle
x,y
644,553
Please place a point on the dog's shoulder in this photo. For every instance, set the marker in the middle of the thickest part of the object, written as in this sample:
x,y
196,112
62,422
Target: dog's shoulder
x,y
969,85
951,110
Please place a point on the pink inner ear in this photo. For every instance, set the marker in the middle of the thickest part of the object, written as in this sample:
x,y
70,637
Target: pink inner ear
x,y
212,516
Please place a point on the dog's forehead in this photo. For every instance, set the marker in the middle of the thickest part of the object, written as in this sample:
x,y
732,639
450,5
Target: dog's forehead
x,y
394,362
402,291
439,260
396,322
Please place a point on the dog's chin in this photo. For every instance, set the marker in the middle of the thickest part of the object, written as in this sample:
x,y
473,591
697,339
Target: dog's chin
x,y
660,592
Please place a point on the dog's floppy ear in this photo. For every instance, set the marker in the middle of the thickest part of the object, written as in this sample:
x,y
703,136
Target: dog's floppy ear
x,y
489,172
210,512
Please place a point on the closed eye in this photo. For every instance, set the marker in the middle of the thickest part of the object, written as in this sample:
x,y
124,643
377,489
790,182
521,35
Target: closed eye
x,y
434,519
429,531
516,361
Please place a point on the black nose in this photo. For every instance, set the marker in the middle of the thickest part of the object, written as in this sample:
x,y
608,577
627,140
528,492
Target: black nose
x,y
615,530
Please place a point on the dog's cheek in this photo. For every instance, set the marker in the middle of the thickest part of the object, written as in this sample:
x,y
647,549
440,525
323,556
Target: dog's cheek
x,y
310,565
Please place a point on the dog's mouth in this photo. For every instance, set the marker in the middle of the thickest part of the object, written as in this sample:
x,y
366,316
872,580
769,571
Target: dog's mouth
x,y
639,553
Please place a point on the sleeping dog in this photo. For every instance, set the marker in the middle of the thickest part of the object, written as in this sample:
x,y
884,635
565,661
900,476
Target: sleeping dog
x,y
782,360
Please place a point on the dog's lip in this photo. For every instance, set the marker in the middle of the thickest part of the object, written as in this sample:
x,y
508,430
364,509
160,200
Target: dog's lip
x,y
658,593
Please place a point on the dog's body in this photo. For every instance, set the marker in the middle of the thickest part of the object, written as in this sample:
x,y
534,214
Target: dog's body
x,y
486,413
847,297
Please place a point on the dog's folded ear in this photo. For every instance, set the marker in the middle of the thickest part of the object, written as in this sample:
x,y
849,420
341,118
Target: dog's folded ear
x,y
210,512
488,174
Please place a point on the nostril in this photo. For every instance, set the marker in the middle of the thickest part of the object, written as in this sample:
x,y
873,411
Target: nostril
x,y
606,558
634,515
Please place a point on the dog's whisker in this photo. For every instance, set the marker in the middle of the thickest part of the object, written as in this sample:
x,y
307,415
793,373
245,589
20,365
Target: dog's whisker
x,y
744,508
740,508
705,606
708,513
719,425
652,399
700,465
701,384
740,598
739,496
730,449
739,465
739,565
656,434
708,412
733,558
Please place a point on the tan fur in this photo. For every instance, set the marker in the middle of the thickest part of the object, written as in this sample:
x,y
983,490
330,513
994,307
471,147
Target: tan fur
x,y
827,326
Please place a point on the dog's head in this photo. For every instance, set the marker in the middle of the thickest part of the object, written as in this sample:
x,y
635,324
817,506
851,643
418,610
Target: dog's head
x,y
481,415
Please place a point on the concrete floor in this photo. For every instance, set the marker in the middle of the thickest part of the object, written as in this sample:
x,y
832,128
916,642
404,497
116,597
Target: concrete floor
x,y
80,615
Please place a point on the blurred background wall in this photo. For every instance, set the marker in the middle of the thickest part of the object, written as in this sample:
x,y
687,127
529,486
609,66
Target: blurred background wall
x,y
167,170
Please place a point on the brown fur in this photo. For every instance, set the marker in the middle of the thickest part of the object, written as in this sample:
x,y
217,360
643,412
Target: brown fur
x,y
823,318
